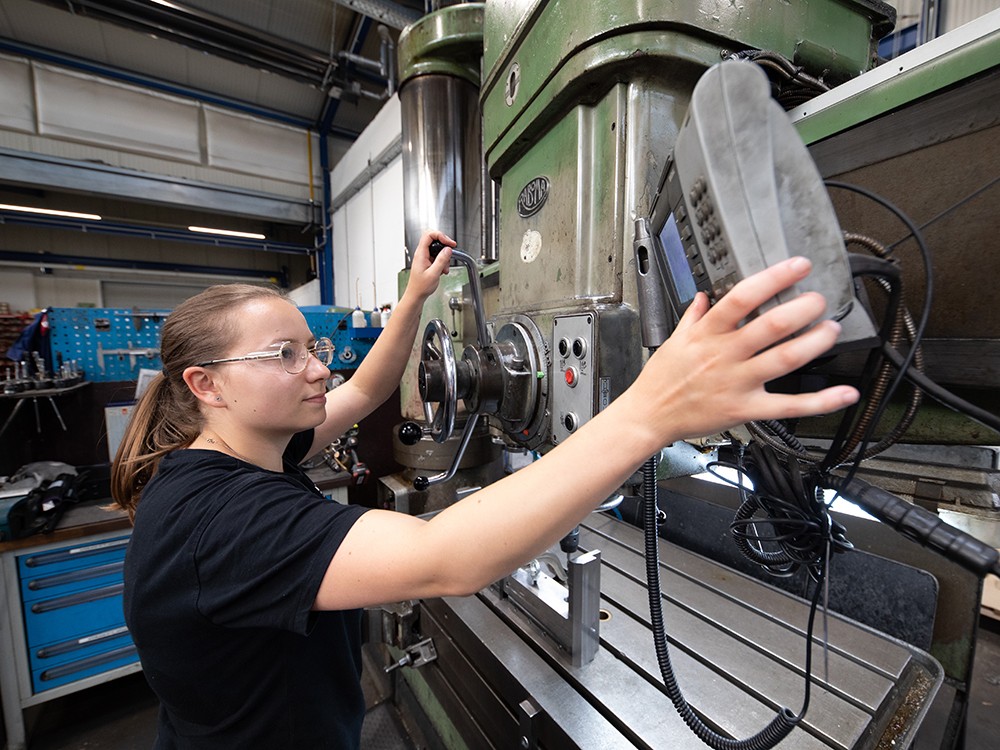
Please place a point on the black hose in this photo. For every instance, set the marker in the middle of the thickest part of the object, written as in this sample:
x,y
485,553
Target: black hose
x,y
780,725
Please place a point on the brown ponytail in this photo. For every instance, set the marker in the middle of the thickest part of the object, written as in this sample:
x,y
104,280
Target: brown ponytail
x,y
167,416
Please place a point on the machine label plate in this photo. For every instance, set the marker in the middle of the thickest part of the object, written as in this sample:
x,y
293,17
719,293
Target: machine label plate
x,y
533,196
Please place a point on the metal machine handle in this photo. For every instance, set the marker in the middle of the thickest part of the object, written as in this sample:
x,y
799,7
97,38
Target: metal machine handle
x,y
441,423
472,267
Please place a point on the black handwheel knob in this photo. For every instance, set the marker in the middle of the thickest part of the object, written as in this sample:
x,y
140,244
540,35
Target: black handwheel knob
x,y
420,484
571,542
410,433
435,247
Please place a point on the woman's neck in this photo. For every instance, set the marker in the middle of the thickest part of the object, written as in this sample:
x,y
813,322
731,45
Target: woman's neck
x,y
262,456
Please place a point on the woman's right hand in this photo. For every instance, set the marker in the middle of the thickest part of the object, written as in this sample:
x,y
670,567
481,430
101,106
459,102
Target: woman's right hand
x,y
710,374
425,271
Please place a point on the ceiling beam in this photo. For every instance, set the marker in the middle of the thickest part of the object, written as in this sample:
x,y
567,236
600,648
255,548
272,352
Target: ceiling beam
x,y
391,14
40,170
206,32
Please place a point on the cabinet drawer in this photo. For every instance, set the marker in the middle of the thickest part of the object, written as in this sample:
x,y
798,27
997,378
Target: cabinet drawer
x,y
78,647
71,557
61,618
56,583
93,664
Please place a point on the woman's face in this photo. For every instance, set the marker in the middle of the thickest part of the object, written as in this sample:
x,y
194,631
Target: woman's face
x,y
260,395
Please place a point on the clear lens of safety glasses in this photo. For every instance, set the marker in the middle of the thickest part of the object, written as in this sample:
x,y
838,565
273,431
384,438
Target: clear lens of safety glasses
x,y
294,356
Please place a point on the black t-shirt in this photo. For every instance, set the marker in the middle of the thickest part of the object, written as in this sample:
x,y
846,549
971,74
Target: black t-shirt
x,y
222,569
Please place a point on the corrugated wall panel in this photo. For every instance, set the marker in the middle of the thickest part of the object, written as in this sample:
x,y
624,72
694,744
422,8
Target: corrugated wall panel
x,y
245,144
960,13
955,13
17,109
907,12
85,108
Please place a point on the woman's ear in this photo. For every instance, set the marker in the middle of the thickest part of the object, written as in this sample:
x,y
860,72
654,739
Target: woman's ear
x,y
203,385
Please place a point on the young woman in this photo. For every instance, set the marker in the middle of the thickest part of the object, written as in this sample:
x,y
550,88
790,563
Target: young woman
x,y
243,585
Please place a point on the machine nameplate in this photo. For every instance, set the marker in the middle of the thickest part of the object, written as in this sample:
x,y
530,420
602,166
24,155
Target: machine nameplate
x,y
533,196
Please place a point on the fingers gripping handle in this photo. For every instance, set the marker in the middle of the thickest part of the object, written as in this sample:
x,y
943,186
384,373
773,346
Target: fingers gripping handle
x,y
435,248
463,259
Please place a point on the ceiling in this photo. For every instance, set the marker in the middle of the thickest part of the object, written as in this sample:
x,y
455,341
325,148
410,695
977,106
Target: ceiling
x,y
314,64
310,62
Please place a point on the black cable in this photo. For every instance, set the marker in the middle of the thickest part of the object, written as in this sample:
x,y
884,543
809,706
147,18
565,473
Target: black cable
x,y
786,498
922,526
862,265
783,722
948,210
924,315
941,394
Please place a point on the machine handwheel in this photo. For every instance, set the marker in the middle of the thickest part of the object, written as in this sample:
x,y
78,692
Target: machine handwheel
x,y
437,348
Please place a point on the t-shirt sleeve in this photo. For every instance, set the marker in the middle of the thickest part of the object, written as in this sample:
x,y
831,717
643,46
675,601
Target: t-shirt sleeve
x,y
261,558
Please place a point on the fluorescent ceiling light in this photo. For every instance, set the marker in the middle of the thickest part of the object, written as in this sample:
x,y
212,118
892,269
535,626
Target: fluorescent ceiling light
x,y
228,233
49,212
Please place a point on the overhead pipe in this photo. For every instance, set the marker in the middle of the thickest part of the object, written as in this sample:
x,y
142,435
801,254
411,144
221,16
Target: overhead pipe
x,y
324,256
387,58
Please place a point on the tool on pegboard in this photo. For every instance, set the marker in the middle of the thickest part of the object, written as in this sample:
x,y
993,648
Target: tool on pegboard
x,y
133,354
105,341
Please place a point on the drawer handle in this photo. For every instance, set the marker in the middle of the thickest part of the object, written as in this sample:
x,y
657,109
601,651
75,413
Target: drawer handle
x,y
50,558
93,661
77,643
74,576
82,597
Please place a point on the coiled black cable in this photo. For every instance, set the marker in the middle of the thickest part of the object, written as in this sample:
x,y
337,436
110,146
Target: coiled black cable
x,y
789,502
783,722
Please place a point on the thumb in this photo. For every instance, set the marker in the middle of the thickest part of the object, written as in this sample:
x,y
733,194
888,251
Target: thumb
x,y
695,312
442,261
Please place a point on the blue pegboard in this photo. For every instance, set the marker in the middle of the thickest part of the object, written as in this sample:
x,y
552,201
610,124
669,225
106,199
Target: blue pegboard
x,y
114,344
107,344
352,344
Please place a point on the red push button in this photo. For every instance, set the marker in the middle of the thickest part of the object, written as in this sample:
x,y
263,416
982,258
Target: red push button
x,y
571,377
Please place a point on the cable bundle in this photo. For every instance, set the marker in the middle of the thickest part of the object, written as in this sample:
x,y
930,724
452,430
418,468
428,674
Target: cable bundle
x,y
783,523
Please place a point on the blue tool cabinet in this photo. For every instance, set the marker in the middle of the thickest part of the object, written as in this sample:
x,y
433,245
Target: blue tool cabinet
x,y
63,629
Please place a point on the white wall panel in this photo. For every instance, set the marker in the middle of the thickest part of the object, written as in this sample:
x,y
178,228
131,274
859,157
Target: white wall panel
x,y
89,118
17,109
361,261
17,289
154,296
954,13
376,138
307,294
966,11
389,239
81,107
368,228
245,144
56,290
342,295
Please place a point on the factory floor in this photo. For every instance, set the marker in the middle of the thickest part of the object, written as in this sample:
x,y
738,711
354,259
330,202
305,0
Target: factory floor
x,y
121,715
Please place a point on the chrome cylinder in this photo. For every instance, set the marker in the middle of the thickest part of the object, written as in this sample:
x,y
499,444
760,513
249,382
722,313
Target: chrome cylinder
x,y
442,160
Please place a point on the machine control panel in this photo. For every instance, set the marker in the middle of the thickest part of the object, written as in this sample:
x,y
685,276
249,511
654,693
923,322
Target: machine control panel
x,y
576,387
742,194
